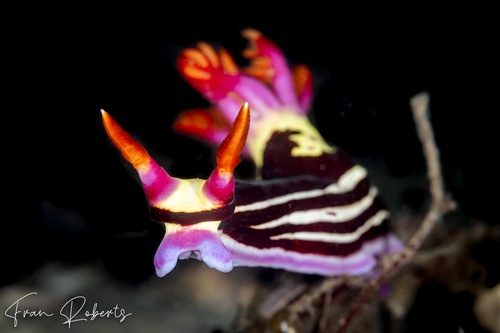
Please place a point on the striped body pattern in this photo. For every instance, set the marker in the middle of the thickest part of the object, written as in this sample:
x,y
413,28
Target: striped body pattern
x,y
311,208
309,225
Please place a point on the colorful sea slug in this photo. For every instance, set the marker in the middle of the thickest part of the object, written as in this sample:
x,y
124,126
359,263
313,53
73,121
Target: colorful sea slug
x,y
311,208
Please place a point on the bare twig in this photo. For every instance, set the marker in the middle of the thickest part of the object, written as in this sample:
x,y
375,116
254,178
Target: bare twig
x,y
323,319
439,206
326,286
279,298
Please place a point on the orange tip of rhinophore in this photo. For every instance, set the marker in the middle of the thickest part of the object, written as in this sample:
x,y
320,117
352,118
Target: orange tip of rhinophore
x,y
131,150
228,154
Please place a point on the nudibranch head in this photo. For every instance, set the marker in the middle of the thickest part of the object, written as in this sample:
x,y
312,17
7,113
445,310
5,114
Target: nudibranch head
x,y
191,209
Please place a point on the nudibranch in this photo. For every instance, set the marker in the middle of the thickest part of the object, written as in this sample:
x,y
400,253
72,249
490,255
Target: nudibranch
x,y
312,208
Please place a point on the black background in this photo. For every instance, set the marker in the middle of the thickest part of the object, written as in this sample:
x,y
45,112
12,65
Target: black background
x,y
64,65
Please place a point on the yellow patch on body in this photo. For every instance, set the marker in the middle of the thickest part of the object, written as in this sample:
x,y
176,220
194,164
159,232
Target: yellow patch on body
x,y
309,141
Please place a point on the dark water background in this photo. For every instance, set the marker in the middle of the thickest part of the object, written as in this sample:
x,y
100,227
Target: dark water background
x,y
64,66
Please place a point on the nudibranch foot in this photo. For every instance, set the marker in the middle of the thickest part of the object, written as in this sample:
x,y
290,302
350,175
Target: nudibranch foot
x,y
361,262
199,241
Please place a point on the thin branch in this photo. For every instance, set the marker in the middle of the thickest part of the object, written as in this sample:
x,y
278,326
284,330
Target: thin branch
x,y
323,319
439,206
